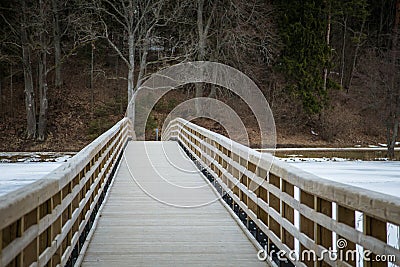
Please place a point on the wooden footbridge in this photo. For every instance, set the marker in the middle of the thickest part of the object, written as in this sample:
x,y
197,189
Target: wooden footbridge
x,y
189,201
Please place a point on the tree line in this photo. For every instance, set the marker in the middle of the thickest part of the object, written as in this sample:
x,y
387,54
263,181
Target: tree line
x,y
326,42
316,47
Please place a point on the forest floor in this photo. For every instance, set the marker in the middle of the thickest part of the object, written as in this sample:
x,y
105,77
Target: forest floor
x,y
78,114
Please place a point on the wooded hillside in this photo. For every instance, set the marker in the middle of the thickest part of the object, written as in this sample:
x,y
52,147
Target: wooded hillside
x,y
329,69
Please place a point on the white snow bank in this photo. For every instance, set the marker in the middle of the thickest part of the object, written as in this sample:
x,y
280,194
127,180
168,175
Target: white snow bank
x,y
298,158
8,157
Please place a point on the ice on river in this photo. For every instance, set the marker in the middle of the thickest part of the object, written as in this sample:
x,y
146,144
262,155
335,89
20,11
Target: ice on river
x,y
16,175
379,176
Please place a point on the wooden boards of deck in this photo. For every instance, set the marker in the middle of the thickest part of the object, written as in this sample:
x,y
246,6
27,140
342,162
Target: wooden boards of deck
x,y
136,229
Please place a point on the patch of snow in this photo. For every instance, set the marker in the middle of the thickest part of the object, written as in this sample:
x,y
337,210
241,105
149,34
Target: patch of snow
x,y
35,156
299,159
381,159
16,175
294,156
373,146
63,158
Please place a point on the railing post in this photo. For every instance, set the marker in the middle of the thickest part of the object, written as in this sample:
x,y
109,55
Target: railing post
x,y
287,213
376,228
347,217
30,253
274,202
307,226
1,242
323,235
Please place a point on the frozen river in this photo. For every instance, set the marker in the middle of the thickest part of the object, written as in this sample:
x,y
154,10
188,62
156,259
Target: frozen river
x,y
380,176
16,175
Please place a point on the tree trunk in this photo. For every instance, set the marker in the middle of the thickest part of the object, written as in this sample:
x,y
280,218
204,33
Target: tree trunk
x,y
213,91
131,67
383,13
394,95
28,80
3,107
143,59
120,91
43,97
392,138
11,91
353,66
201,49
57,45
92,78
342,63
42,79
328,41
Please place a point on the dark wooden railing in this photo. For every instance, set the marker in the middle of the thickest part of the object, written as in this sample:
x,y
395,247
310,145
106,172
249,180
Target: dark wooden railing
x,y
46,222
290,205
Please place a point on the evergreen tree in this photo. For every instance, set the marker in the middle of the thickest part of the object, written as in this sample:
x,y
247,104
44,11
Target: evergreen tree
x,y
305,54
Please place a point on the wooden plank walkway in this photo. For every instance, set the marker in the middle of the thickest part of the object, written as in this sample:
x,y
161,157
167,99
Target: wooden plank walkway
x,y
136,230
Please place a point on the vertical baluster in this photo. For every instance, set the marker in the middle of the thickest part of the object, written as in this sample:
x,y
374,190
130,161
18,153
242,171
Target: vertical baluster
x,y
323,235
30,252
287,212
347,216
376,228
307,226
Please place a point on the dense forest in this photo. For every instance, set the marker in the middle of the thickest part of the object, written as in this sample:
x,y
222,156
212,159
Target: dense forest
x,y
329,69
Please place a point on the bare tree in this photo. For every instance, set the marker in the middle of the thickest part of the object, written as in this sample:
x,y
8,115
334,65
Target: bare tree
x,y
57,43
350,17
203,28
359,42
137,19
28,79
328,39
234,32
394,91
43,101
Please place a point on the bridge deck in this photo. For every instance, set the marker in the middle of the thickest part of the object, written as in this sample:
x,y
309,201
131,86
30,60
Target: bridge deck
x,y
137,230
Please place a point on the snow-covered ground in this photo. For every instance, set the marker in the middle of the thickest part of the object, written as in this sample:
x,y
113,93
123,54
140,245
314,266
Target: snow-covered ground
x,y
18,169
380,176
16,175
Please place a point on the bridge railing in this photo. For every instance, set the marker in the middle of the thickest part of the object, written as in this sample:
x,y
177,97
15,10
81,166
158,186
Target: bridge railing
x,y
45,223
293,211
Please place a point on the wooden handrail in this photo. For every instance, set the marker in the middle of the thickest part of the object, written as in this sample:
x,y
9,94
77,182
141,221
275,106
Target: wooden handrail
x,y
42,224
326,209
